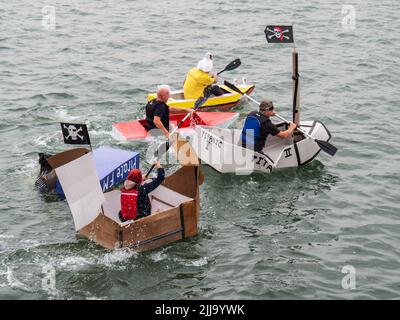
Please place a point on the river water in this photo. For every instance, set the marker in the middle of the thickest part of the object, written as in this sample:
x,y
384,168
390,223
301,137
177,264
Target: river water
x,y
286,235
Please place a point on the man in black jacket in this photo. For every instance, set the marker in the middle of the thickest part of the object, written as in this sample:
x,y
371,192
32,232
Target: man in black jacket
x,y
258,126
157,111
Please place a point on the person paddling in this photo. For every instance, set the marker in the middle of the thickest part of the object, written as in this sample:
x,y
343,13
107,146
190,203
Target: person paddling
x,y
200,78
135,202
157,111
258,126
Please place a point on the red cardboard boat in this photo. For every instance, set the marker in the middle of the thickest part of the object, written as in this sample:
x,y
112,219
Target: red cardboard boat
x,y
135,130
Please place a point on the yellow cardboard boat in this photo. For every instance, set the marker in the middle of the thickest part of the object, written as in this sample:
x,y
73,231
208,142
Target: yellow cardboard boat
x,y
224,102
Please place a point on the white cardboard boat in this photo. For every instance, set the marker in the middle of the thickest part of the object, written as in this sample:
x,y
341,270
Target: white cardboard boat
x,y
222,149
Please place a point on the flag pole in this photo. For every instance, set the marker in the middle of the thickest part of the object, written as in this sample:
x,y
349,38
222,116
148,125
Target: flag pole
x,y
296,87
90,143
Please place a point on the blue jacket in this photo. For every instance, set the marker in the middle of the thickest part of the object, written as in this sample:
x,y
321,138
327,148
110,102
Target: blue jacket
x,y
144,205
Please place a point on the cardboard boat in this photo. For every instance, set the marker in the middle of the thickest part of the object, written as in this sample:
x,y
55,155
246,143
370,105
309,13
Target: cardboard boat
x,y
135,130
224,102
222,150
175,203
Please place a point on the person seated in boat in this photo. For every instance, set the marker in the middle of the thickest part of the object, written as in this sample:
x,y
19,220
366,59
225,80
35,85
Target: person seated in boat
x,y
200,78
258,126
135,202
157,112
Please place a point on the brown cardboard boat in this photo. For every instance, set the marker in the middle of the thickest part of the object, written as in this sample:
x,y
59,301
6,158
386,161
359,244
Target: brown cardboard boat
x,y
175,207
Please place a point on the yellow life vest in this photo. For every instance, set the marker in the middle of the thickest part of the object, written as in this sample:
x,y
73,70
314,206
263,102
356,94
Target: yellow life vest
x,y
195,83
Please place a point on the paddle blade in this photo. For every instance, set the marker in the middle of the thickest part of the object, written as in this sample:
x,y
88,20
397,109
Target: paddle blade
x,y
327,147
231,66
202,100
199,102
232,87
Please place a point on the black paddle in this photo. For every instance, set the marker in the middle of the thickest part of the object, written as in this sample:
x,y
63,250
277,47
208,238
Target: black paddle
x,y
199,102
324,145
233,65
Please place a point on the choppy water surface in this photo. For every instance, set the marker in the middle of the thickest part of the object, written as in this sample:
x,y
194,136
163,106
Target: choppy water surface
x,y
284,235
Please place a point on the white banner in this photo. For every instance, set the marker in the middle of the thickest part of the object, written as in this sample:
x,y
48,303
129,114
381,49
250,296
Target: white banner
x,y
82,189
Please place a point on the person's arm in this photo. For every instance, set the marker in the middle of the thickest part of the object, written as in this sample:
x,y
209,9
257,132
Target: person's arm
x,y
159,125
181,110
149,187
207,79
288,132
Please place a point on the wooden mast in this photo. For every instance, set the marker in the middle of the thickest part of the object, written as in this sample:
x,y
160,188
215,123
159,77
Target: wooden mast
x,y
296,90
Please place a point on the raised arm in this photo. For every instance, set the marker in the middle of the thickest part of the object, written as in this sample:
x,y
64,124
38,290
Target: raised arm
x,y
150,186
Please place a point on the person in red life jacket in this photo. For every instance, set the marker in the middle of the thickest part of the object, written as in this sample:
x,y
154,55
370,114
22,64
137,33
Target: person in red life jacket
x,y
135,202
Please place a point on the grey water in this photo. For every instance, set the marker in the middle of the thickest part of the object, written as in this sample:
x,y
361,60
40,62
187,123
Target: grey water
x,y
328,230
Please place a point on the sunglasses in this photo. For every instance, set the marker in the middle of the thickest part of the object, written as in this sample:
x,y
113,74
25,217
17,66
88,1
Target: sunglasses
x,y
269,109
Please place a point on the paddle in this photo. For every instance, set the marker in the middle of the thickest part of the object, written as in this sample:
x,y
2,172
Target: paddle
x,y
199,102
324,145
231,66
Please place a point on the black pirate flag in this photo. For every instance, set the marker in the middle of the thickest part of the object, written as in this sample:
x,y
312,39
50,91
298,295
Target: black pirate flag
x,y
279,34
75,133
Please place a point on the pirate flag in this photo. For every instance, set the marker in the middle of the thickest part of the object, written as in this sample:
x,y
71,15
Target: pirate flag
x,y
75,133
279,34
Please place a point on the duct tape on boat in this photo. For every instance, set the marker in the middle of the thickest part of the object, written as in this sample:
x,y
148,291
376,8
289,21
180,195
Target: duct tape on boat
x,y
210,139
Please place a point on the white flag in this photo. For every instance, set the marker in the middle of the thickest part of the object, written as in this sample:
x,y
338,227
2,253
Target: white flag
x,y
82,189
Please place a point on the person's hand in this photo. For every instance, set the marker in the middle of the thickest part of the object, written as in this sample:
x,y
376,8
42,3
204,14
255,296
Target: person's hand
x,y
167,134
215,78
190,111
292,126
273,113
157,164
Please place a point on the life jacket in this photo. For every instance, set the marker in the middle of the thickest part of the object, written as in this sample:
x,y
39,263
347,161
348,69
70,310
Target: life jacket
x,y
150,110
129,200
251,129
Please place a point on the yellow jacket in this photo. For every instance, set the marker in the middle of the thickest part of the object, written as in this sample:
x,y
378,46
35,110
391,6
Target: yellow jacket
x,y
195,83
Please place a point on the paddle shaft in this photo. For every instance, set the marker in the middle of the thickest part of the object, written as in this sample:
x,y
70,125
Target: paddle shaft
x,y
171,134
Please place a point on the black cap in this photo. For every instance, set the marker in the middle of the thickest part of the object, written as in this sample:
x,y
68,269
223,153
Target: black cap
x,y
266,105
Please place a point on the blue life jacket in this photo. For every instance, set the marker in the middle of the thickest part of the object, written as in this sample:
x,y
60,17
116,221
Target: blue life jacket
x,y
251,130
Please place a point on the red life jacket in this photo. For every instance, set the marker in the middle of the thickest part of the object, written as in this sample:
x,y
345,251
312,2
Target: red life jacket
x,y
129,203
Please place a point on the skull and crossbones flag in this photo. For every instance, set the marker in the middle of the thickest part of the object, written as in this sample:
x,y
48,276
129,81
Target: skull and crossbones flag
x,y
279,34
75,133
